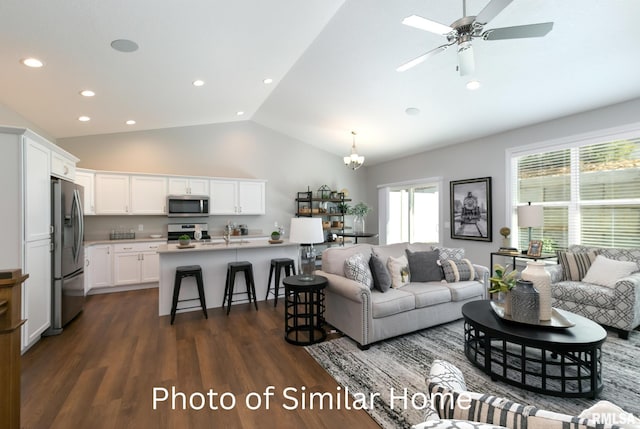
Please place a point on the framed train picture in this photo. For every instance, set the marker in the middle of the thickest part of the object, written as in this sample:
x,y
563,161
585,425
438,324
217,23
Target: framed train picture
x,y
471,209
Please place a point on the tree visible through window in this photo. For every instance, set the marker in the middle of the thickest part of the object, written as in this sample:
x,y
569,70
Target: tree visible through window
x,y
590,194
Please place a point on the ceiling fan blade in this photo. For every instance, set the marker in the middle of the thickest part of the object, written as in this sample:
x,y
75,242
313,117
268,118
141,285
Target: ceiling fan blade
x,y
416,21
466,62
491,10
414,62
518,32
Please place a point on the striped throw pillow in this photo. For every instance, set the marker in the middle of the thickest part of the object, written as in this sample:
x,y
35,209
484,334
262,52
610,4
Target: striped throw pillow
x,y
575,265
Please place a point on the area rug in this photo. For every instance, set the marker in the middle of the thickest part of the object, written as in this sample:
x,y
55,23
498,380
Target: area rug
x,y
389,378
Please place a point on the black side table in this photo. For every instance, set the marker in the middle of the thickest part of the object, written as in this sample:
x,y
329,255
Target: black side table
x,y
303,311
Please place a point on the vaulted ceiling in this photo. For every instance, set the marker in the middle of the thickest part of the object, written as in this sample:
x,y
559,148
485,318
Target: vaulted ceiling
x,y
333,65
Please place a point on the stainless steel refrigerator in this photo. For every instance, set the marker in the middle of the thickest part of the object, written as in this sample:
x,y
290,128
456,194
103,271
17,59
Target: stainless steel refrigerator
x,y
67,263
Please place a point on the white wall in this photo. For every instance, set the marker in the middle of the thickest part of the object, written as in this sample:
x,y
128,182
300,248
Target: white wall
x,y
11,118
486,157
238,149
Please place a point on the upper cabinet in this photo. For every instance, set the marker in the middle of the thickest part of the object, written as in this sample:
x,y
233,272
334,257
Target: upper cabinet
x,y
188,186
63,166
148,195
112,194
237,197
86,180
37,190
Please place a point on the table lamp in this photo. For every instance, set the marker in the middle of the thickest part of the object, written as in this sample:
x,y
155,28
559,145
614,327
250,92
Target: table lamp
x,y
306,231
530,217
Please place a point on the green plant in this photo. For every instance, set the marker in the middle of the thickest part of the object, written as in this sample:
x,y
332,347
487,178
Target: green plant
x,y
184,237
343,207
504,279
360,209
276,233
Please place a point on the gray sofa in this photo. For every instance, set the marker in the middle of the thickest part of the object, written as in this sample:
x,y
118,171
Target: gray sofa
x,y
369,315
617,307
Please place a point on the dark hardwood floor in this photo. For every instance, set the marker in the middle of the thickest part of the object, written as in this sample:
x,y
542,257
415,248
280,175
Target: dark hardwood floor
x,y
102,371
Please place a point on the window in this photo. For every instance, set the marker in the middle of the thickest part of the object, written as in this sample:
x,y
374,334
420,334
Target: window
x,y
590,194
410,212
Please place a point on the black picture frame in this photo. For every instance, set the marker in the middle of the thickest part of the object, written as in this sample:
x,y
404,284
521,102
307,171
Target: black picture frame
x,y
470,209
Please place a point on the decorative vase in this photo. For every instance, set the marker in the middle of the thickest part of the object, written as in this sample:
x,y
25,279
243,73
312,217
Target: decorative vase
x,y
525,303
506,303
184,241
358,225
541,280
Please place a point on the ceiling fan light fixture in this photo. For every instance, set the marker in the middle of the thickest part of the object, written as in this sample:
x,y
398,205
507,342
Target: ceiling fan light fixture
x,y
466,63
353,161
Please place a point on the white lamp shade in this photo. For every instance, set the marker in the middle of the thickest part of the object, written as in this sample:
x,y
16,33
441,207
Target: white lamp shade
x,y
530,216
306,230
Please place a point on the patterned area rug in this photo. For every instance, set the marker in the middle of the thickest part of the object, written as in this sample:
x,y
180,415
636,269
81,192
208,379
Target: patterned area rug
x,y
389,367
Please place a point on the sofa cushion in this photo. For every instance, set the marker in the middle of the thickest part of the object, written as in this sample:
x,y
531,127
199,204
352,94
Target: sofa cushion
x,y
427,294
393,301
380,273
612,412
606,272
356,267
390,250
333,258
398,270
423,266
455,253
610,252
463,290
420,247
455,271
585,294
575,265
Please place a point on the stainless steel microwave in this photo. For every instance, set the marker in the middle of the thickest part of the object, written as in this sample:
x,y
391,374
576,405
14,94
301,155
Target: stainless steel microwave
x,y
187,205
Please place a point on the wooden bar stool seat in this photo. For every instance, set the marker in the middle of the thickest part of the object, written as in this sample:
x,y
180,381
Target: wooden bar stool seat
x,y
181,273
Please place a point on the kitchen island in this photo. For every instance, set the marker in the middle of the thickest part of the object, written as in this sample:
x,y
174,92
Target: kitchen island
x,y
213,257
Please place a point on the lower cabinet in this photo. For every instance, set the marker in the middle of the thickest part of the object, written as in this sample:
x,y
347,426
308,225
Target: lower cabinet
x,y
123,264
36,304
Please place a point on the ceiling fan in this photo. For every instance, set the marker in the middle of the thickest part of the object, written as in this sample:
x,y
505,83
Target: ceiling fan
x,y
463,30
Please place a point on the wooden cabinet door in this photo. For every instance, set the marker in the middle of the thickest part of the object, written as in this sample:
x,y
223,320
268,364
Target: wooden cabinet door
x,y
150,267
86,180
148,195
251,198
112,194
37,190
36,302
224,197
126,268
100,266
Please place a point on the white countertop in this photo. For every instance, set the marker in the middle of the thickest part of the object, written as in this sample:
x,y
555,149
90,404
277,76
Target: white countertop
x,y
133,240
235,244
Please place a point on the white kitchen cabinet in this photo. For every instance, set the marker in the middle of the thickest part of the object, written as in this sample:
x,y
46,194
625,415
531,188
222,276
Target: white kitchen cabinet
x,y
188,186
37,189
63,167
100,266
112,194
135,263
251,197
148,195
36,291
86,180
239,197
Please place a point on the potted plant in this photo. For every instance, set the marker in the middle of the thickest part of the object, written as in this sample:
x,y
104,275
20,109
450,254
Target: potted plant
x,y
343,207
184,240
502,282
275,235
360,211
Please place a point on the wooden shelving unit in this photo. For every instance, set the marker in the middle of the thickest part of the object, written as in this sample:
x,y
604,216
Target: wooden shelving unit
x,y
329,209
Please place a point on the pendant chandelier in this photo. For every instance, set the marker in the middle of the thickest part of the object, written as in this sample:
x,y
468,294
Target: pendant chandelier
x,y
354,161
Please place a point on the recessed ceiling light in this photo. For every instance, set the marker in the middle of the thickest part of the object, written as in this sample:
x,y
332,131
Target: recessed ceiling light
x,y
239,113
84,118
412,111
267,81
130,122
87,93
198,82
124,45
472,85
32,62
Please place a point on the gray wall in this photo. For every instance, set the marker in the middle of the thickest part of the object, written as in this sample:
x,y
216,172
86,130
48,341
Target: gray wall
x,y
486,157
11,118
238,149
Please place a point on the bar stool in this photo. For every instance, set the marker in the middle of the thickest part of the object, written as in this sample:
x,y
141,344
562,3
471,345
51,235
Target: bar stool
x,y
233,268
277,264
182,272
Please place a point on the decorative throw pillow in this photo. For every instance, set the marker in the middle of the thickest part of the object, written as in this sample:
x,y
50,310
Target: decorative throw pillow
x,y
424,267
446,374
399,271
356,268
575,265
606,272
610,411
455,271
457,254
380,274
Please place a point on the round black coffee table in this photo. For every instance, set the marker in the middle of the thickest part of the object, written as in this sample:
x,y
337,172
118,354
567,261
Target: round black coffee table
x,y
304,310
563,362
